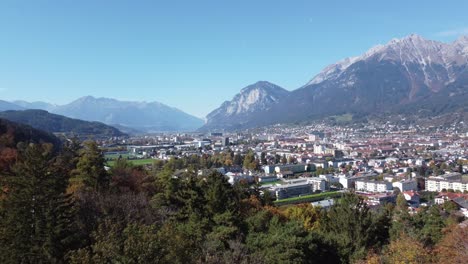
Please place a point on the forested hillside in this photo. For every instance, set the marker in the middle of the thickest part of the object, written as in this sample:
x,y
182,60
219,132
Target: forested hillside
x,y
53,123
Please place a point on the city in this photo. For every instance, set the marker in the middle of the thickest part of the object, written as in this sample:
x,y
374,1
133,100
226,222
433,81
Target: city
x,y
237,132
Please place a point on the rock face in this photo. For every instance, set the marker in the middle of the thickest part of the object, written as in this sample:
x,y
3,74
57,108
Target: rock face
x,y
400,76
246,105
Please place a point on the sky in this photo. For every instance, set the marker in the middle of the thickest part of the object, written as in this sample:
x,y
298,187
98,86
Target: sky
x,y
194,55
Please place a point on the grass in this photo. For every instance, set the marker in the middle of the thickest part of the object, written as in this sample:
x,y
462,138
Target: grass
x,y
308,198
272,182
136,162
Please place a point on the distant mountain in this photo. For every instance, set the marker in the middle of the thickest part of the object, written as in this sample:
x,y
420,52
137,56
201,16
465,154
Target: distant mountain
x,y
4,105
149,117
43,120
245,106
34,105
412,75
133,116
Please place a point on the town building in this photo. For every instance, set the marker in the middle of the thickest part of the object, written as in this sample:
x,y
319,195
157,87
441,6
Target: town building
x,y
450,181
406,185
294,168
373,186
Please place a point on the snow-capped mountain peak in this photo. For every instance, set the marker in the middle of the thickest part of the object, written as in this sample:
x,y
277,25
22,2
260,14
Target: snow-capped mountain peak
x,y
409,50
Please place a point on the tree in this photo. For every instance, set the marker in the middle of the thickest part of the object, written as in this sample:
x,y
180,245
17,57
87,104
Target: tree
x,y
263,158
306,214
219,194
274,241
37,216
350,226
432,225
291,160
90,171
402,222
284,160
453,248
249,161
406,250
134,243
126,177
237,160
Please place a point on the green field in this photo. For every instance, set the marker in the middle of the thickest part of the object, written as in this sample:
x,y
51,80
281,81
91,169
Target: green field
x,y
273,182
308,198
136,162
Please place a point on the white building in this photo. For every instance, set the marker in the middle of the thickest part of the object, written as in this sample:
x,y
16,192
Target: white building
x,y
406,185
319,149
269,169
349,182
318,184
373,186
453,181
329,178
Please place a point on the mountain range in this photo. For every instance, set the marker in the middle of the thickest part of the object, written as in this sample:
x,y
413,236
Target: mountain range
x,y
411,75
126,115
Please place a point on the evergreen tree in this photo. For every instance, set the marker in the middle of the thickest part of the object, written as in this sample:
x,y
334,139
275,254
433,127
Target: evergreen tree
x,y
237,160
37,217
350,226
263,158
90,171
402,221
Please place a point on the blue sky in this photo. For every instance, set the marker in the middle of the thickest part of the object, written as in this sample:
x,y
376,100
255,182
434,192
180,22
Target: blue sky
x,y
194,55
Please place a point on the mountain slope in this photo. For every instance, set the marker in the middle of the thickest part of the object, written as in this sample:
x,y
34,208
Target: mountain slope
x,y
11,133
53,123
144,116
4,105
34,105
411,75
245,106
386,78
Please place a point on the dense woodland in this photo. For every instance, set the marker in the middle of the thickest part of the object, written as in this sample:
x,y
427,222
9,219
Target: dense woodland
x,y
59,205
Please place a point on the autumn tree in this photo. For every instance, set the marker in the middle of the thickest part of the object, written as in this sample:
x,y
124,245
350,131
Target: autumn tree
x,y
406,250
453,248
249,161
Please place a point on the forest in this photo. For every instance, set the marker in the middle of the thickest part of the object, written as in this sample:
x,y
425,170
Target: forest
x,y
60,205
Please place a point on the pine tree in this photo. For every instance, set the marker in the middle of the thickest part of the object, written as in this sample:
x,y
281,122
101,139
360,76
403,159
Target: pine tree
x,y
402,222
263,159
37,216
349,224
90,169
